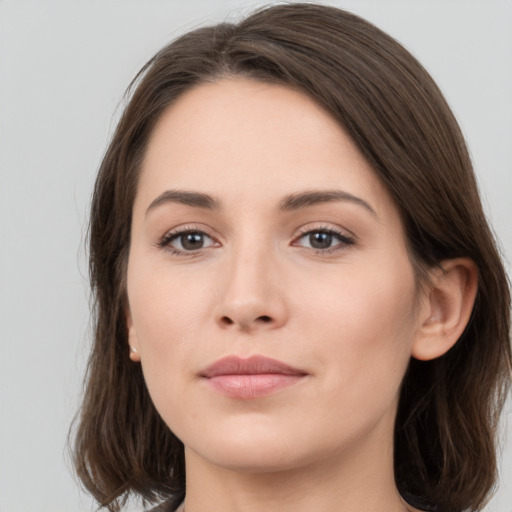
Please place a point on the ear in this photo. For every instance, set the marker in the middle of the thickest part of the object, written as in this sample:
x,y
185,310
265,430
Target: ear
x,y
447,308
133,341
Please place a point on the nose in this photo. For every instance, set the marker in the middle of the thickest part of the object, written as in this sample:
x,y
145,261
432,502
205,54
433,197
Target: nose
x,y
252,297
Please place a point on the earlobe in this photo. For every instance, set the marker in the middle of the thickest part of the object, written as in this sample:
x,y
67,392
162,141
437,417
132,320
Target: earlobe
x,y
447,308
133,341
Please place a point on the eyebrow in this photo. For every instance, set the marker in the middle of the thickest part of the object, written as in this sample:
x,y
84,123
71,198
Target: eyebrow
x,y
314,197
194,199
288,203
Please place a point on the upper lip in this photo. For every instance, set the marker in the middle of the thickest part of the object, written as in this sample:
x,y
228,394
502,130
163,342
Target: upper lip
x,y
254,365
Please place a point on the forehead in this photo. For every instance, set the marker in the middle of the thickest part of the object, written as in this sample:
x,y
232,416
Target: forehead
x,y
243,136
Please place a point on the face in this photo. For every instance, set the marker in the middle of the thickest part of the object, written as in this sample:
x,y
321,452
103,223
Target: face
x,y
272,302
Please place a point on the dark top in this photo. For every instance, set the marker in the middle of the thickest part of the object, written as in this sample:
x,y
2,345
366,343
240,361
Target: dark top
x,y
419,503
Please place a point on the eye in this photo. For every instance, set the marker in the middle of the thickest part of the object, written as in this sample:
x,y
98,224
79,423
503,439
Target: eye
x,y
186,241
324,240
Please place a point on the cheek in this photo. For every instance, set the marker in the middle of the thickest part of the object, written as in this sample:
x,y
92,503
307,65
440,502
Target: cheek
x,y
364,328
165,314
172,311
165,305
366,323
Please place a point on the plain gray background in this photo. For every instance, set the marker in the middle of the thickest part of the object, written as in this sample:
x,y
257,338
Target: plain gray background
x,y
64,66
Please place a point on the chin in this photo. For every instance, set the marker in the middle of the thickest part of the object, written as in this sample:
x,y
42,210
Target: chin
x,y
251,458
245,443
253,444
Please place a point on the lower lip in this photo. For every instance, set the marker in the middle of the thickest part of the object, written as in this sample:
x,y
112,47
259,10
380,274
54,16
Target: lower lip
x,y
252,386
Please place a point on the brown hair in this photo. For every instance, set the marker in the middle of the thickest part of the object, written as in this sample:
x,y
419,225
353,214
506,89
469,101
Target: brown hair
x,y
449,407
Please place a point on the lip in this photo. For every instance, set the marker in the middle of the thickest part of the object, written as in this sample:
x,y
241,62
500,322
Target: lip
x,y
253,377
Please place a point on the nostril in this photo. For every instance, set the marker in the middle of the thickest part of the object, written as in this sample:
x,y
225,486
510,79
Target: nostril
x,y
244,323
226,320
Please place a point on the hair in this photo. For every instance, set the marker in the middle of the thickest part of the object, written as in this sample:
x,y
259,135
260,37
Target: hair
x,y
446,427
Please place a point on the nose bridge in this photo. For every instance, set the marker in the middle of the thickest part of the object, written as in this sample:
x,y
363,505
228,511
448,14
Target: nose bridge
x,y
251,296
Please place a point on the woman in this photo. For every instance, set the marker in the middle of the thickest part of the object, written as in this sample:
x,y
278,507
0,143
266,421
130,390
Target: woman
x,y
299,303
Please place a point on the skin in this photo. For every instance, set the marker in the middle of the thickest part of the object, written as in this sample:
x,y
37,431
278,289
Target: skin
x,y
349,314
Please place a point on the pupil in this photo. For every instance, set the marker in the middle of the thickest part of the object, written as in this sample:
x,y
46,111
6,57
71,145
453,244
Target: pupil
x,y
320,240
192,241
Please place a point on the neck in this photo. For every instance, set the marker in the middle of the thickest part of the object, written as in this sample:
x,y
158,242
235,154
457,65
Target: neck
x,y
351,481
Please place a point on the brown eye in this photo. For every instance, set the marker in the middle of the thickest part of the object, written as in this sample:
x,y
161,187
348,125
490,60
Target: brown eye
x,y
320,240
191,241
187,241
324,240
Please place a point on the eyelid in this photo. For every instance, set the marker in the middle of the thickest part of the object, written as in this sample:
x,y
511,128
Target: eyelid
x,y
324,226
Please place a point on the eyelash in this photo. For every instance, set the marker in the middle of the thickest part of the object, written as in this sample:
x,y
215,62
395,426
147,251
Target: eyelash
x,y
166,241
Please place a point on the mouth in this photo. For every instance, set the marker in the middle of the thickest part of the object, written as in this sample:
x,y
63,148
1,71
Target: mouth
x,y
254,377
